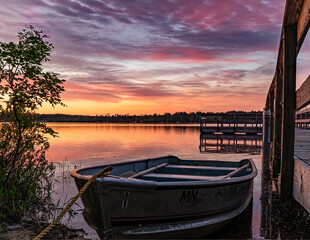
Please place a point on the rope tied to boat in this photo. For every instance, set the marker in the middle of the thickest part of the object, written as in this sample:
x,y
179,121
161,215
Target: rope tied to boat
x,y
104,172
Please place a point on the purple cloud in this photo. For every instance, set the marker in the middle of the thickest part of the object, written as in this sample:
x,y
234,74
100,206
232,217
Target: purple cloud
x,y
117,50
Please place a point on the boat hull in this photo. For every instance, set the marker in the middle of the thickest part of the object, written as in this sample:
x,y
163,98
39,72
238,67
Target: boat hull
x,y
182,226
133,208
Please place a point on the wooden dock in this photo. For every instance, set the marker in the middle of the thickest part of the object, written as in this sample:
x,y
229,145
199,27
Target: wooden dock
x,y
302,144
283,100
301,187
286,149
302,119
232,123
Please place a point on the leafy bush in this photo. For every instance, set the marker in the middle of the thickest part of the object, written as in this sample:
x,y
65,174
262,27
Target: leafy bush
x,y
25,174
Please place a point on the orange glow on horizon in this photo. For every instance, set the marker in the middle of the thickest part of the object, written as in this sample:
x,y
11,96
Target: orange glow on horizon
x,y
159,106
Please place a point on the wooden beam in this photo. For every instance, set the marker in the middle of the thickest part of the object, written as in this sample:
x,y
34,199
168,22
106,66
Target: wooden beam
x,y
303,23
303,94
277,127
292,11
306,110
267,101
273,84
280,54
289,106
295,13
279,61
271,105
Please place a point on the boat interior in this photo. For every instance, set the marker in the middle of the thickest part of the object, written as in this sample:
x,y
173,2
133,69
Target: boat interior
x,y
171,168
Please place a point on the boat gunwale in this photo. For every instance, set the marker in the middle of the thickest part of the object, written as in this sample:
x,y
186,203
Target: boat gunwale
x,y
116,180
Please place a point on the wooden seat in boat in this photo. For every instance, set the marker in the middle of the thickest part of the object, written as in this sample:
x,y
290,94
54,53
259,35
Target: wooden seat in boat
x,y
176,177
196,170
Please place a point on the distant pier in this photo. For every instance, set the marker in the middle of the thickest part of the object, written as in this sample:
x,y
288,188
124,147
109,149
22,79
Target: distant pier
x,y
232,123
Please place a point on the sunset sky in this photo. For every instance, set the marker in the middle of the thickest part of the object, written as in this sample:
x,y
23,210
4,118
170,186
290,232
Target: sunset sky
x,y
156,56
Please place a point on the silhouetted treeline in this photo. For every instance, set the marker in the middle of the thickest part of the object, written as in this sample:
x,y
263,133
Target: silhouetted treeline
x,y
178,117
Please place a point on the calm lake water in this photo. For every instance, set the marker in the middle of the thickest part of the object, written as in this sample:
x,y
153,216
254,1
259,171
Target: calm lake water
x,y
89,144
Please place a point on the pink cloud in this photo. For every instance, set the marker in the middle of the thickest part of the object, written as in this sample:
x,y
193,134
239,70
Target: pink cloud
x,y
178,51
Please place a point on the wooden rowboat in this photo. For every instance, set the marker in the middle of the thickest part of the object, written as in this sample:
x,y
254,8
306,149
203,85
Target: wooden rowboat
x,y
165,197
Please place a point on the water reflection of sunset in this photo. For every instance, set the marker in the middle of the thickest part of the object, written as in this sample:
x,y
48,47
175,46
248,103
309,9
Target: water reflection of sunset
x,y
90,144
83,143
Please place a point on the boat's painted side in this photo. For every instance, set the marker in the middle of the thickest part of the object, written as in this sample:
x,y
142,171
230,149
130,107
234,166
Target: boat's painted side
x,y
168,207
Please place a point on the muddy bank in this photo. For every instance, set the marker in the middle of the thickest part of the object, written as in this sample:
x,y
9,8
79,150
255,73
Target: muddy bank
x,y
28,230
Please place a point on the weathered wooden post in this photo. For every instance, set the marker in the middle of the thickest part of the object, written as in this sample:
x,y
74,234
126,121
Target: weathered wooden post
x,y
271,105
266,140
265,182
277,128
289,107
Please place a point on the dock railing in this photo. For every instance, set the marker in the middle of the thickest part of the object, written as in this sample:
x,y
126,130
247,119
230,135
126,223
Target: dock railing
x,y
303,119
282,100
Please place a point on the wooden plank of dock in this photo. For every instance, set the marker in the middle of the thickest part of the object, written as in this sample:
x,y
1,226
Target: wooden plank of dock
x,y
301,186
302,144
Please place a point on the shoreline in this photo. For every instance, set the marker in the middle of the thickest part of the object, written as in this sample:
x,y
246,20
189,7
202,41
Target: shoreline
x,y
30,229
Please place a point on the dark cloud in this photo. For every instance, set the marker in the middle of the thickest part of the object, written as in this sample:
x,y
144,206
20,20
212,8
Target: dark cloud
x,y
180,29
